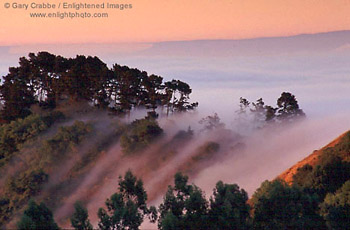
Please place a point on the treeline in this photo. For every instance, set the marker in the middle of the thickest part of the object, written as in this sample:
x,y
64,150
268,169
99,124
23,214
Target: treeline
x,y
275,205
318,198
258,114
46,79
38,162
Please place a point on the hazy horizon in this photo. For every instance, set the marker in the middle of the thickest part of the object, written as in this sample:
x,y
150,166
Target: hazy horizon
x,y
314,67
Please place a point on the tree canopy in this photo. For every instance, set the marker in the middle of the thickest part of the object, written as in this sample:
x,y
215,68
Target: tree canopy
x,y
127,208
37,217
47,80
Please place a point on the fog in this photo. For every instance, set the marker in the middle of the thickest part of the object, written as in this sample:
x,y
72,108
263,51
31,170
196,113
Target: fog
x,y
315,68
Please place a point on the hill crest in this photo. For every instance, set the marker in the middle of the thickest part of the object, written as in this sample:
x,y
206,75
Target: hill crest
x,y
312,160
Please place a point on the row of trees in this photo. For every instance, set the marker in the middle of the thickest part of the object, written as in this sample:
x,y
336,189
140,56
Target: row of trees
x,y
184,207
275,205
46,79
287,110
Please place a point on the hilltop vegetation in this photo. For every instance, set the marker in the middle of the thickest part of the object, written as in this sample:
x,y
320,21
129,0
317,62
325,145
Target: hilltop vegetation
x,y
275,205
46,80
49,146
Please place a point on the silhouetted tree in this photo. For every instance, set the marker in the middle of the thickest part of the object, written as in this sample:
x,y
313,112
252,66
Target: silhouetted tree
x,y
211,122
17,95
177,96
280,206
288,108
228,208
37,217
140,134
184,207
126,208
336,208
80,218
48,80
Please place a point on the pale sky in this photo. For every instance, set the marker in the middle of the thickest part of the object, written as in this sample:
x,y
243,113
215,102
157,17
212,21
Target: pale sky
x,y
169,20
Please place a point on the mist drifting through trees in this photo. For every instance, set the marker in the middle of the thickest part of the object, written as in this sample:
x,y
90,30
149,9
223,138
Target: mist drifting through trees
x,y
72,126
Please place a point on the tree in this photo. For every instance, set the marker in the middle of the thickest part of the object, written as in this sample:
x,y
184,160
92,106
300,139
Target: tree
x,y
211,122
127,208
47,80
152,92
184,207
336,208
177,96
259,111
140,134
288,108
17,95
228,208
37,217
326,177
80,218
277,206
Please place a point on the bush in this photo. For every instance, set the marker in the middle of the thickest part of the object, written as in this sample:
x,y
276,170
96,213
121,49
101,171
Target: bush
x,y
22,130
331,171
207,150
66,139
280,206
37,217
336,208
21,187
140,134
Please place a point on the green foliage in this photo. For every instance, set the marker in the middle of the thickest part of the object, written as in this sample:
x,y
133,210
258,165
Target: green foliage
x,y
183,135
5,210
18,189
184,207
65,140
21,130
177,95
206,151
341,149
140,134
25,185
28,183
37,217
288,108
280,206
259,114
336,208
229,208
80,218
126,208
302,176
211,123
327,176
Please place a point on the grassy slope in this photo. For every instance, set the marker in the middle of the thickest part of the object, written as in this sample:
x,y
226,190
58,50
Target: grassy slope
x,y
312,159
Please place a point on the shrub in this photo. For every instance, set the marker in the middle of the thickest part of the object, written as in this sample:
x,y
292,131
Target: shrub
x,y
140,134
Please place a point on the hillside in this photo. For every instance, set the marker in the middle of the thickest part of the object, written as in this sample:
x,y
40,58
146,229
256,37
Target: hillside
x,y
77,137
312,159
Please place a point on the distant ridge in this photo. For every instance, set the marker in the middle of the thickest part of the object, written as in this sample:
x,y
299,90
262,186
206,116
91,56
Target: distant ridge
x,y
255,46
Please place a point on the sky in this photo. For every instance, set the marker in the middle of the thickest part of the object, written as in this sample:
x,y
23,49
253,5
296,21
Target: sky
x,y
169,20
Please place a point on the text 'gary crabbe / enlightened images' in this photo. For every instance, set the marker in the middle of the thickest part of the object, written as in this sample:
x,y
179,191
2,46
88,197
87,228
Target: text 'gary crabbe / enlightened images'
x,y
64,10
66,5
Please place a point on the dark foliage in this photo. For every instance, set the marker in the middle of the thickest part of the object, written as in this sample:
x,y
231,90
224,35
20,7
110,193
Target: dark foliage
x,y
140,134
80,218
280,206
336,208
21,130
47,80
37,217
127,208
